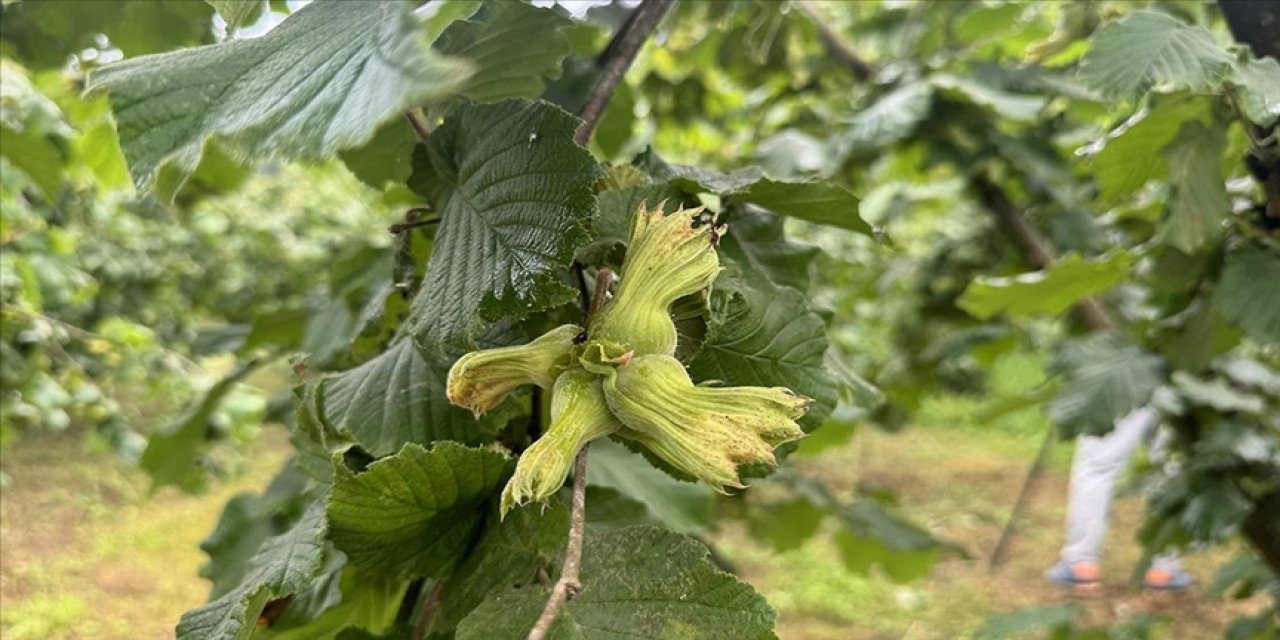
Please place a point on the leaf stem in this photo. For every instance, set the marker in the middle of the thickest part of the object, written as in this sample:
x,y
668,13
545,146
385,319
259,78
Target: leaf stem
x,y
419,125
427,611
614,61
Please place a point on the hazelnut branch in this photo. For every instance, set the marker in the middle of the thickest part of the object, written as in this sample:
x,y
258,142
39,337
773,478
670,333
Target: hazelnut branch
x,y
614,61
568,585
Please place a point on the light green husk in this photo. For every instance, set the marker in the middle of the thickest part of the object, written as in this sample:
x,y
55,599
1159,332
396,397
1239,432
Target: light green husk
x,y
578,415
706,432
480,380
667,258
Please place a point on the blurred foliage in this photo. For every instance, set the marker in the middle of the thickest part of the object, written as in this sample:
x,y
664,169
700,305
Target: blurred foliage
x,y
1136,139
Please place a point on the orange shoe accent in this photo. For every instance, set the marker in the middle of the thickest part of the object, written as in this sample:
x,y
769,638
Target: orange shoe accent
x,y
1086,571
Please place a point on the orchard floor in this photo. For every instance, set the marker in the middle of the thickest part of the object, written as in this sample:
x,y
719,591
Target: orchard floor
x,y
86,553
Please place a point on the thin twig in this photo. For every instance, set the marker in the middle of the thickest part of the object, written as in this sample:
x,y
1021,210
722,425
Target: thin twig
x,y
419,125
427,611
615,60
401,227
843,53
603,278
584,297
568,585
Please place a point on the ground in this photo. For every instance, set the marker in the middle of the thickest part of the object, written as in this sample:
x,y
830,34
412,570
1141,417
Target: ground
x,y
87,553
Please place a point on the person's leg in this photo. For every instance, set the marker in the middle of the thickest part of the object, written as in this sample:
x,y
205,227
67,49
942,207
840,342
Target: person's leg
x,y
1166,570
1099,462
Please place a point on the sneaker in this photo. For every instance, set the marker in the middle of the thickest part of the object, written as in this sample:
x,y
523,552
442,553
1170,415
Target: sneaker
x,y
1074,574
1167,579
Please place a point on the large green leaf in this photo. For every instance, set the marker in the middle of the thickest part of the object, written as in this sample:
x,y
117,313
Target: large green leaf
x,y
1258,82
756,246
237,13
1132,154
46,34
173,453
873,536
686,507
509,554
891,118
246,522
33,131
637,582
1199,203
322,81
414,513
612,227
512,50
817,201
768,337
1248,292
395,399
1050,291
368,603
514,194
1105,380
1012,106
284,565
1146,48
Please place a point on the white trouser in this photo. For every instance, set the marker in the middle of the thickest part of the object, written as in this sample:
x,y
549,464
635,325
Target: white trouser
x,y
1099,463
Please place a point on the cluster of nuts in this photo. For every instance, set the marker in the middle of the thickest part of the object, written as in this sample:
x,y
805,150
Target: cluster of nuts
x,y
624,380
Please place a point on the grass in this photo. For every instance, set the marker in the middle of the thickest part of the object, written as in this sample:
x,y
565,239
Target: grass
x,y
88,554
961,484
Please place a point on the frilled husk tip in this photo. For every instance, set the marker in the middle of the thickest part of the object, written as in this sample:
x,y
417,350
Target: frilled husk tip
x,y
480,380
706,432
578,416
668,257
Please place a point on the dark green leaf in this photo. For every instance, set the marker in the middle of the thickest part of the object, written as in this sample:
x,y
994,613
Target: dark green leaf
x,y
414,513
1147,48
514,194
1012,106
891,118
173,453
284,565
322,81
1247,293
395,399
386,158
1133,155
509,554
237,13
513,50
787,525
1051,618
873,536
1199,203
1051,291
368,603
818,201
682,506
246,521
1105,379
637,582
756,247
1258,82
768,338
